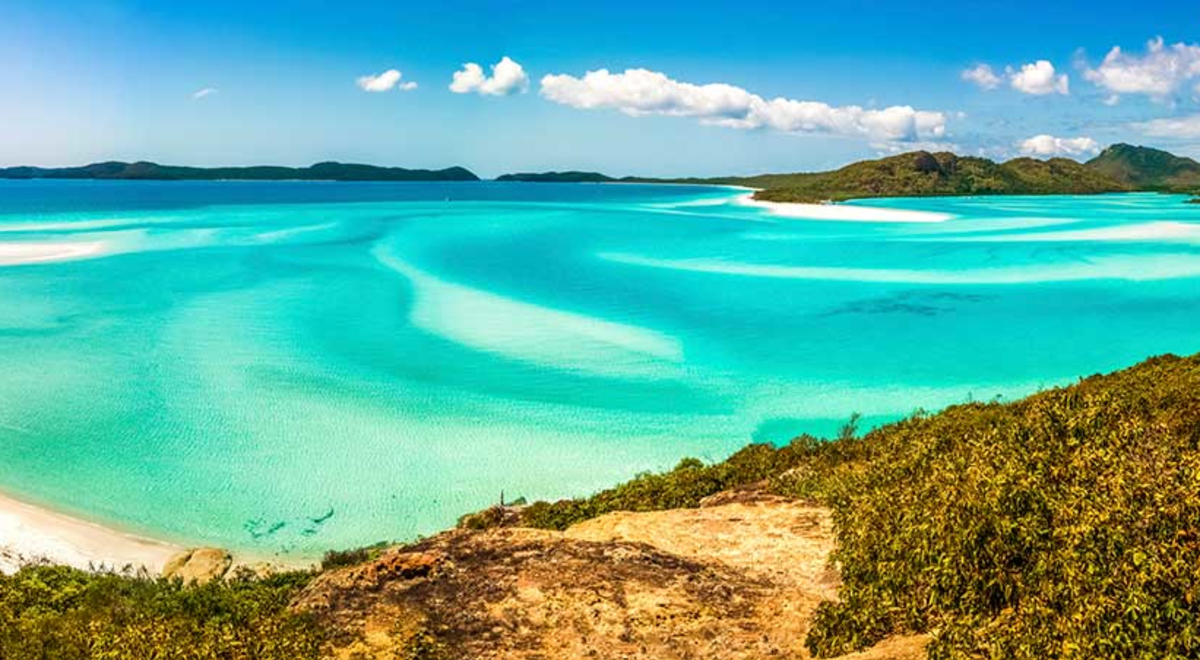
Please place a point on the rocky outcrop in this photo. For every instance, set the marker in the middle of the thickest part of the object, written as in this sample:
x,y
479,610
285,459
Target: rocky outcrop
x,y
199,565
732,580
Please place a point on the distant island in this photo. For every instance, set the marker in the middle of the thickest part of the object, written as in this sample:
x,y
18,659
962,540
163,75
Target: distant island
x,y
327,171
558,177
1119,168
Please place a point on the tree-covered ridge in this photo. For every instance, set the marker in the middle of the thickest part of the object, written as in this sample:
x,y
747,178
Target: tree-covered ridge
x,y
1148,169
921,173
327,171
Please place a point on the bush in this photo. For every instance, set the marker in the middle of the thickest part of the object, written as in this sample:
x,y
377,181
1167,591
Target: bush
x,y
1066,525
355,556
67,614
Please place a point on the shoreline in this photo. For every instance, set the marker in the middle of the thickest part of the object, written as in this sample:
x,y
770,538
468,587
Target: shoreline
x,y
30,533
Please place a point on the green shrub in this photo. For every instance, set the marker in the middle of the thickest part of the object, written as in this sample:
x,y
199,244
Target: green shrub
x,y
340,558
60,613
1066,525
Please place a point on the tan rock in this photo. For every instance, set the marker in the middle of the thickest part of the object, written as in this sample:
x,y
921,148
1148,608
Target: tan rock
x,y
199,565
736,579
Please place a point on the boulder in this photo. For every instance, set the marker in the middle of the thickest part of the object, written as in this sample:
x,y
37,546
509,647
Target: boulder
x,y
199,565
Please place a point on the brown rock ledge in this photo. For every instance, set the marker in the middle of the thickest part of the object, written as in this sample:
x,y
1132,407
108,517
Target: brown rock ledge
x,y
727,581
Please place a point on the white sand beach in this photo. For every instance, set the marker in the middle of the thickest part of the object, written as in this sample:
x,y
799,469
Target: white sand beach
x,y
29,533
842,212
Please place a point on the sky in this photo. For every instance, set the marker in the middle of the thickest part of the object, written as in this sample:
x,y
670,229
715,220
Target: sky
x,y
649,88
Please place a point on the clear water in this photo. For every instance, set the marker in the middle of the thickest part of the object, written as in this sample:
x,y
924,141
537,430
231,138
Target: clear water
x,y
282,368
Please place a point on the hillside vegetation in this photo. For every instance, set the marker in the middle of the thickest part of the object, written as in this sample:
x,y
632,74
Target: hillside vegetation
x,y
1148,169
922,173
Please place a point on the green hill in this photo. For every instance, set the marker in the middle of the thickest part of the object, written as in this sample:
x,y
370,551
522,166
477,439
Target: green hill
x,y
921,173
328,171
1147,169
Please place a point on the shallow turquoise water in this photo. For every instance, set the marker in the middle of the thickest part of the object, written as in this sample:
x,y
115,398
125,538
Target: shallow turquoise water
x,y
290,367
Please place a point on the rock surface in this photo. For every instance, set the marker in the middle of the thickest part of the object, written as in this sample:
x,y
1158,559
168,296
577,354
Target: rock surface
x,y
732,580
199,565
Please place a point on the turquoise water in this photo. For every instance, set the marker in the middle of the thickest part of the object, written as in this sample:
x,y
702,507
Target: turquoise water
x,y
282,368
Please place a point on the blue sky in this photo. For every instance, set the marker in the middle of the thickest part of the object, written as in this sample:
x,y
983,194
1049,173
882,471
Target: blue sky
x,y
713,88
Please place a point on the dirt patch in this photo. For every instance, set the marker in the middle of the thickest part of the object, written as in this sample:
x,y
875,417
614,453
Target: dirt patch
x,y
737,580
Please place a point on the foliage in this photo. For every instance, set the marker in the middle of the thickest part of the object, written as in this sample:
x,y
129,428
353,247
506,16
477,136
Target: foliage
x,y
1148,169
60,613
352,557
1066,525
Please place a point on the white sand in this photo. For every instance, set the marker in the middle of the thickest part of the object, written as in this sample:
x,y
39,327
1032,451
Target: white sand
x,y
13,254
1163,230
29,533
842,212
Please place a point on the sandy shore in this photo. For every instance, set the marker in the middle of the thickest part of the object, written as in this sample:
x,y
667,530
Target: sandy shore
x,y
842,212
29,533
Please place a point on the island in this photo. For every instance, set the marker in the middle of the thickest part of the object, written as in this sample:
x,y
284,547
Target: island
x,y
325,171
1119,168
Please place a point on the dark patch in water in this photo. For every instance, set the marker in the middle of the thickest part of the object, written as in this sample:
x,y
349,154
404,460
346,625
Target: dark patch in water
x,y
919,303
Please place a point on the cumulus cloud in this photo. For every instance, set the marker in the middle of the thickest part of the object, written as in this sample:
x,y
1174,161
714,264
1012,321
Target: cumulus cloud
x,y
638,92
385,82
982,76
1180,128
1043,146
507,77
1158,73
1039,78
203,93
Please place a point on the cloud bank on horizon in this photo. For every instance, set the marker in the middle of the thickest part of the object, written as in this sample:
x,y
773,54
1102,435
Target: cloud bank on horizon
x,y
1048,146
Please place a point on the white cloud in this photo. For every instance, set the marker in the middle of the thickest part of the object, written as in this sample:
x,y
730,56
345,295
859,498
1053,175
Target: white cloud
x,y
1048,145
1039,78
385,82
1158,73
638,92
982,76
507,77
1184,128
202,93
